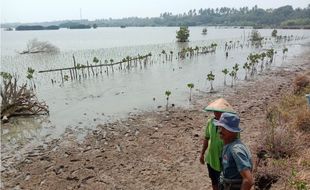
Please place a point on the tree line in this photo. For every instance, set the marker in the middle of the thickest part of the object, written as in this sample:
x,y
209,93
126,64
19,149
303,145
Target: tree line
x,y
285,16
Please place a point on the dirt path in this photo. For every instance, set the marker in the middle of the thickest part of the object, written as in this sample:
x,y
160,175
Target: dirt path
x,y
158,150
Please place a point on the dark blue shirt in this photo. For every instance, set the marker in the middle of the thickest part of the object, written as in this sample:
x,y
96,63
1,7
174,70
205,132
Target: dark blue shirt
x,y
235,158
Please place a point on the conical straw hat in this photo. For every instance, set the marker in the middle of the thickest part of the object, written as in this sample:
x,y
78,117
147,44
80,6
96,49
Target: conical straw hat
x,y
220,105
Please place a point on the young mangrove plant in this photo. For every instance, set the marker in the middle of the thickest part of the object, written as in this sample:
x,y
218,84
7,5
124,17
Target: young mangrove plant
x,y
190,86
262,57
225,71
247,68
284,52
29,76
210,78
233,75
167,93
270,53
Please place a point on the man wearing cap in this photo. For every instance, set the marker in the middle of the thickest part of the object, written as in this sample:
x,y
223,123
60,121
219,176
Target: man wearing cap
x,y
212,143
236,157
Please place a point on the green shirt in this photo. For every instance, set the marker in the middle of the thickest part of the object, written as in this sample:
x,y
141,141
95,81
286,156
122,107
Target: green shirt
x,y
215,146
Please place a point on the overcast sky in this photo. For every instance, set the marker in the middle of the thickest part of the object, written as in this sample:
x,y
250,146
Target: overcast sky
x,y
52,10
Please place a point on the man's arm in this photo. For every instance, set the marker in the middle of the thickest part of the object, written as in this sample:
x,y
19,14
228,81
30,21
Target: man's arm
x,y
204,148
247,179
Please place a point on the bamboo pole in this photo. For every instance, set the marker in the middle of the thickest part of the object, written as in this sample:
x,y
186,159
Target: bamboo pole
x,y
62,78
74,63
71,74
90,66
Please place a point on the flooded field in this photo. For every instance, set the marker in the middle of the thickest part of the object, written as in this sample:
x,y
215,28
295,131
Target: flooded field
x,y
107,95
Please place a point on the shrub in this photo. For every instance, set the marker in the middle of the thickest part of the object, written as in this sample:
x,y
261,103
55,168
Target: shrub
x,y
303,120
301,82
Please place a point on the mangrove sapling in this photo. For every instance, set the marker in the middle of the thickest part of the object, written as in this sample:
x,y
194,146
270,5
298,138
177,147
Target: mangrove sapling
x,y
18,100
167,93
171,55
253,59
66,77
270,53
30,72
262,57
247,68
284,52
213,47
164,53
210,78
233,76
225,71
190,86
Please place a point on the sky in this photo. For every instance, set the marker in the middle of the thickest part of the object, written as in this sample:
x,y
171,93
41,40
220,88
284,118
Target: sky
x,y
55,10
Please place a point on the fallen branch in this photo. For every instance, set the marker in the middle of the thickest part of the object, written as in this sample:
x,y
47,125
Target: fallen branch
x,y
19,100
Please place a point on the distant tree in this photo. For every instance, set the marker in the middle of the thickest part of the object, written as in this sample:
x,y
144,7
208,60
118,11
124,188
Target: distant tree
x,y
95,26
204,31
183,34
274,33
256,38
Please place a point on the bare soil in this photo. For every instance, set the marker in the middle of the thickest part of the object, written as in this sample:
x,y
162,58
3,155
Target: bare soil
x,y
154,150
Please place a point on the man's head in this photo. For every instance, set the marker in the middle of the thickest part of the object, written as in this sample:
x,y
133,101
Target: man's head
x,y
229,126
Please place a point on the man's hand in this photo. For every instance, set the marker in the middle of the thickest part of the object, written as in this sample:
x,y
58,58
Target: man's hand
x,y
247,179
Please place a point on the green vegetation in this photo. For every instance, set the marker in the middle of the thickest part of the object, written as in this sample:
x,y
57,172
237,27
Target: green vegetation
x,y
225,71
210,78
167,93
36,27
204,31
285,17
183,34
190,86
274,33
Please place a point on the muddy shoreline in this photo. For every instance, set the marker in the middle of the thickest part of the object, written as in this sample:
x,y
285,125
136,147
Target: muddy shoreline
x,y
153,150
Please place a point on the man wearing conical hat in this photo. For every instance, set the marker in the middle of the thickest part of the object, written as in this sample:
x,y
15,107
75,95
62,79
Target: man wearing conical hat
x,y
212,143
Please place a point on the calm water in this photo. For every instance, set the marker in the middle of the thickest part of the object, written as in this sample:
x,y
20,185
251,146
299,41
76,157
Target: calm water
x,y
84,104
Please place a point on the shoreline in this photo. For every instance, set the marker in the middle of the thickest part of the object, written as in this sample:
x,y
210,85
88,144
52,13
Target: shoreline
x,y
153,150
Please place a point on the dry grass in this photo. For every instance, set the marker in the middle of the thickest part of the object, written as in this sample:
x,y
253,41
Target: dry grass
x,y
286,142
301,82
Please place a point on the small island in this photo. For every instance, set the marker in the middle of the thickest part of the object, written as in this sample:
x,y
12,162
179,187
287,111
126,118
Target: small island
x,y
36,27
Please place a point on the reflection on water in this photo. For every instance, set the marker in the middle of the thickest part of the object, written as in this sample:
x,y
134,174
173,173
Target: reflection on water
x,y
22,129
82,104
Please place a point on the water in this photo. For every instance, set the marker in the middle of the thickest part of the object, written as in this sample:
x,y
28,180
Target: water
x,y
83,104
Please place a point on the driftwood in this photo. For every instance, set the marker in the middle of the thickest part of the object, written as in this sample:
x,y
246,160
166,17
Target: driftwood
x,y
19,100
35,46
